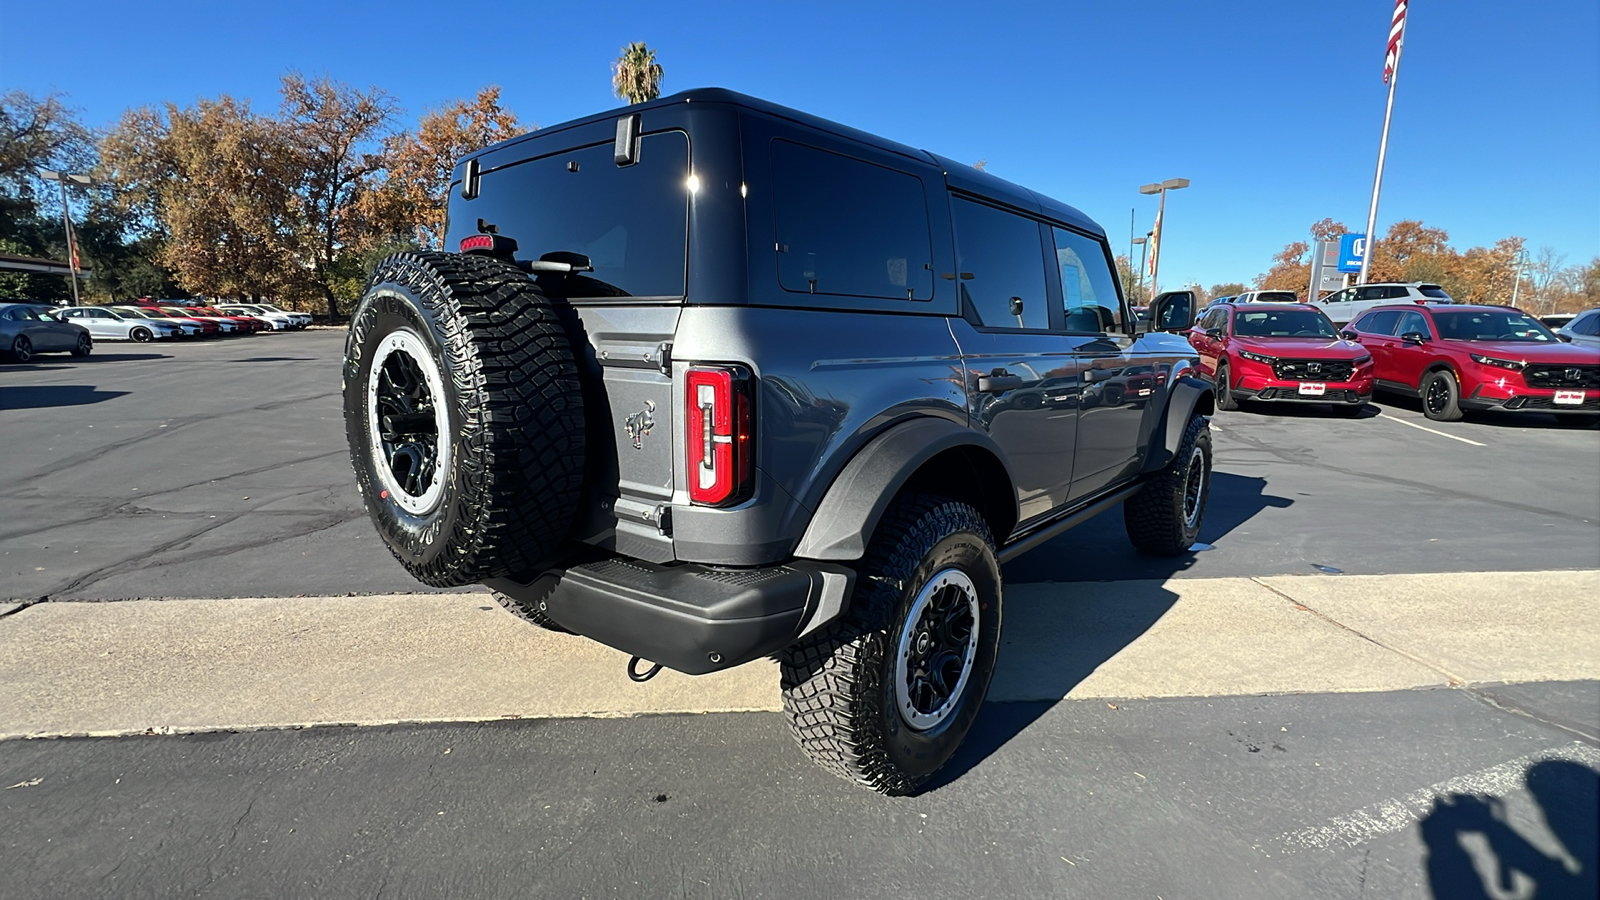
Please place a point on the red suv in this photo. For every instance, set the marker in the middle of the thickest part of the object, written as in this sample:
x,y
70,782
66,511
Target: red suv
x,y
1280,351
1479,357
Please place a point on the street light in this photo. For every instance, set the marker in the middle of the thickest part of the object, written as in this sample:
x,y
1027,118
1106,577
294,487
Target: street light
x,y
61,178
1522,263
1171,184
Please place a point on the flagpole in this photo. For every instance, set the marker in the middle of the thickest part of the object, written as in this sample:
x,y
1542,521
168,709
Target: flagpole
x,y
1383,150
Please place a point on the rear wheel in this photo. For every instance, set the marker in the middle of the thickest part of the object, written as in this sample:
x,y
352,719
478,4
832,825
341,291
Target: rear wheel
x,y
884,696
1224,388
464,417
84,346
22,349
1441,396
1164,516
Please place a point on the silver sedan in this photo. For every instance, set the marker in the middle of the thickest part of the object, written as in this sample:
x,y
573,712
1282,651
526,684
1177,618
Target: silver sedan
x,y
110,325
26,330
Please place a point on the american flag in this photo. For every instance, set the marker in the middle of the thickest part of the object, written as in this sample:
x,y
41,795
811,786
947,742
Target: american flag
x,y
1397,31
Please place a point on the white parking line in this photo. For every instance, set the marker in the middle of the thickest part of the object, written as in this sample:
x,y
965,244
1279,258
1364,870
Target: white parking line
x,y
1430,430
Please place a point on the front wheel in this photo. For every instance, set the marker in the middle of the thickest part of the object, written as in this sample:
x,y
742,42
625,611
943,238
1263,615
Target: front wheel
x,y
1164,516
1441,396
884,695
1224,389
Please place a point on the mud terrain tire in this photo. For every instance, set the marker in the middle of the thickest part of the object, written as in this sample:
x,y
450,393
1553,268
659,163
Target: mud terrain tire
x,y
464,417
1164,517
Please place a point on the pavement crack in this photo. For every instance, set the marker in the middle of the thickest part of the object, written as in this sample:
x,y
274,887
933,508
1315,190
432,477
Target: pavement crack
x,y
1493,702
1453,679
240,821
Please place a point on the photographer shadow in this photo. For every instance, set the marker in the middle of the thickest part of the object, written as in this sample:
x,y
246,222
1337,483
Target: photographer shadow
x,y
1474,852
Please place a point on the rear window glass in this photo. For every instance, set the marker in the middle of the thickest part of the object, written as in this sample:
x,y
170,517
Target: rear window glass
x,y
849,227
1433,291
1277,297
631,221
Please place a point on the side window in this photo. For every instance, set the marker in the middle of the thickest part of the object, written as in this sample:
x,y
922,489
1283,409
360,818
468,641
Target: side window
x,y
1344,296
1399,293
1088,289
1588,325
1000,266
849,227
1379,322
1371,293
1212,319
1414,321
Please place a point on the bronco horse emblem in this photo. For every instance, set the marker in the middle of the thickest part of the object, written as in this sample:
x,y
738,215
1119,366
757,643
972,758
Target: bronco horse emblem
x,y
639,424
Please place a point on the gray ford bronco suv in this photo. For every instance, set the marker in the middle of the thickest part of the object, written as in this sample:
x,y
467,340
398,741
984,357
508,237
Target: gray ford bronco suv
x,y
707,380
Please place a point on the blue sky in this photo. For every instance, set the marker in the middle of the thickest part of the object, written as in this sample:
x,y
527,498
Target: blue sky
x,y
1272,109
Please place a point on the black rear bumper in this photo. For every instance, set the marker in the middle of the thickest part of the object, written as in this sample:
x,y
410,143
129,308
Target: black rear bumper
x,y
692,618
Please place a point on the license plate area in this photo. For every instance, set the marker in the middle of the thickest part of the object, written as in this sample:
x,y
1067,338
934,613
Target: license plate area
x,y
1569,398
1313,388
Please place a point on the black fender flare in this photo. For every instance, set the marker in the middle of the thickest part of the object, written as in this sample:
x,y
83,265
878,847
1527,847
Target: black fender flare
x,y
854,503
1187,396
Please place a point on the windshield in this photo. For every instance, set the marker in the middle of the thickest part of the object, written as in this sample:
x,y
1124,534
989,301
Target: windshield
x,y
1283,323
1491,325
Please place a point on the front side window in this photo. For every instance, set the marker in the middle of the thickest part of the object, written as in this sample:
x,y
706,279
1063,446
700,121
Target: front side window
x,y
1344,296
1414,323
630,221
1372,292
1000,266
1088,289
1382,322
849,227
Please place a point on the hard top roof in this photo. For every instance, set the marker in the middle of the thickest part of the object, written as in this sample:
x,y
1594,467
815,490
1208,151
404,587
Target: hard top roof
x,y
960,175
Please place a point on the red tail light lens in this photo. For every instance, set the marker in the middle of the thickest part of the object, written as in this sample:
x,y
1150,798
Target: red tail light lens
x,y
479,242
718,428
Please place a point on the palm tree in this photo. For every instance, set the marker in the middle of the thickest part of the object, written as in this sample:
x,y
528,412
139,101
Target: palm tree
x,y
636,76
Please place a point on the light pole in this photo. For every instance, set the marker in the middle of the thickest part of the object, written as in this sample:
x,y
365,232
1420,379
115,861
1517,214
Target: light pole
x,y
1144,247
1522,263
61,178
1171,184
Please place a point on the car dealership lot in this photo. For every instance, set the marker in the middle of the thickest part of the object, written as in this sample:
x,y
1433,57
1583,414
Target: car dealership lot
x,y
1233,715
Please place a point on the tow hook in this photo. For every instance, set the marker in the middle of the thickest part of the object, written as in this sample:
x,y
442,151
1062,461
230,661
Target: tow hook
x,y
639,677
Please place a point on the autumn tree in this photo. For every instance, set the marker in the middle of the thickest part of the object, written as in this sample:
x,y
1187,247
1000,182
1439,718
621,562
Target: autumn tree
x,y
334,136
1291,270
636,76
39,133
1228,289
417,165
1137,294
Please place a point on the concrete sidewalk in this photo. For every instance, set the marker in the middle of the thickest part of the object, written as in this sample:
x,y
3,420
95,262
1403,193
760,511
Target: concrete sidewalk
x,y
202,665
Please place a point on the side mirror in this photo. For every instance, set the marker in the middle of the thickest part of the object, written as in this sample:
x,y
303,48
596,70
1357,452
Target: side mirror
x,y
1349,335
1214,332
1564,338
1413,337
1172,312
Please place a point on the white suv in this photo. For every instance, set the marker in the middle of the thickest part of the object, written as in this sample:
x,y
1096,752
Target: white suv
x,y
1267,297
1342,306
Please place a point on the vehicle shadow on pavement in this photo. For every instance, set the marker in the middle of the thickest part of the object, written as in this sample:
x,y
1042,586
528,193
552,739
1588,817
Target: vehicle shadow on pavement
x,y
1098,550
1082,627
1547,421
1299,410
46,396
1476,849
43,363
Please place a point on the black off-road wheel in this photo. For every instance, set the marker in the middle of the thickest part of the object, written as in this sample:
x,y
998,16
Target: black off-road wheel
x,y
1164,516
884,696
464,417
1224,389
1441,396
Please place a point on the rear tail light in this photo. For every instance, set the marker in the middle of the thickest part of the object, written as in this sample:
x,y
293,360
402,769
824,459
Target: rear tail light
x,y
719,435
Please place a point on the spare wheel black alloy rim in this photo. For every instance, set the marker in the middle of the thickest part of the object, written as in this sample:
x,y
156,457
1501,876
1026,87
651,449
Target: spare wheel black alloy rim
x,y
1194,485
937,646
1438,394
407,422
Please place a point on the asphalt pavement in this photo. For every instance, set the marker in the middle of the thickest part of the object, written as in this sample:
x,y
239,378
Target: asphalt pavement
x,y
1375,676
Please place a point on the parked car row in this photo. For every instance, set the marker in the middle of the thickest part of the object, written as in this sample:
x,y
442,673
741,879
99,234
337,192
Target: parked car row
x,y
1453,357
27,329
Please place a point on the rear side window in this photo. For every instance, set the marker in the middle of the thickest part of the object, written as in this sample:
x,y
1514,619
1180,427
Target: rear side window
x,y
631,221
1379,322
1000,266
849,227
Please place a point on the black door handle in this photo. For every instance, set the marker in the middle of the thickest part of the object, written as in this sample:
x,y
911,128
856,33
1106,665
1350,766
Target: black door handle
x,y
998,382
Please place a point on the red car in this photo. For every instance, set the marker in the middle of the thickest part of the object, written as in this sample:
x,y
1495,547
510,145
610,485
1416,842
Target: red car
x,y
207,327
1458,358
1280,352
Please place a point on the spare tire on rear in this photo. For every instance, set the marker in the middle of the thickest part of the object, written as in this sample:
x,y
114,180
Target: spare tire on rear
x,y
464,417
